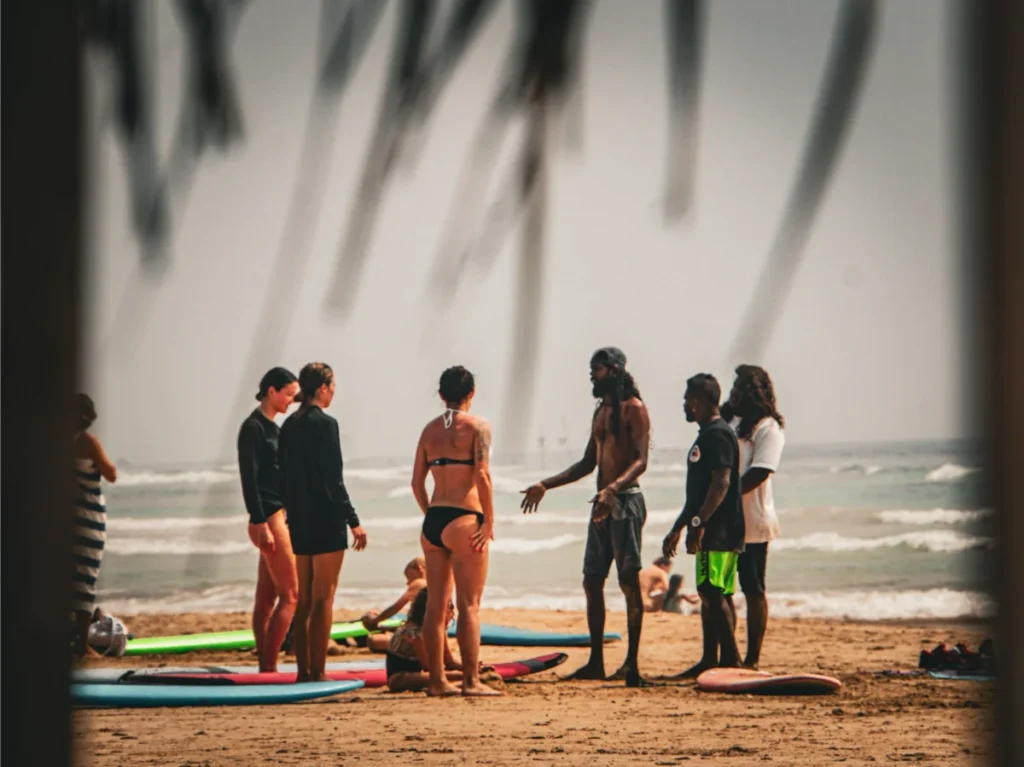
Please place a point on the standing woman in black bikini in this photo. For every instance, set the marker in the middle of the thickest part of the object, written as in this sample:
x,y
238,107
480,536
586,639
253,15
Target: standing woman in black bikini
x,y
458,524
313,491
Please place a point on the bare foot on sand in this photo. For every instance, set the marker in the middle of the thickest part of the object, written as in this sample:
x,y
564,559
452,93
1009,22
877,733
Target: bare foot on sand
x,y
444,691
695,670
590,672
480,690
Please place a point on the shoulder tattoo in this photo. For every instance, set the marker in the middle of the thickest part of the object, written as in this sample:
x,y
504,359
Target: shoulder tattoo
x,y
483,442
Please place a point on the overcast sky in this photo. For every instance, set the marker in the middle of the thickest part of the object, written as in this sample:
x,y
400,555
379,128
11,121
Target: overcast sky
x,y
868,347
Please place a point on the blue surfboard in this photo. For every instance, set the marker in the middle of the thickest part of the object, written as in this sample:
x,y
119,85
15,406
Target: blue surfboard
x,y
507,636
159,695
115,675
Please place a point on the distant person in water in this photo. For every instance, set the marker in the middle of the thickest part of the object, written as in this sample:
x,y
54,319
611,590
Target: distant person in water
x,y
90,523
713,519
752,413
672,600
407,659
277,582
319,508
654,583
415,581
618,448
458,526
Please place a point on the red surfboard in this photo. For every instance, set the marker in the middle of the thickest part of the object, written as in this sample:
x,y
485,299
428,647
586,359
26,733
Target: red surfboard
x,y
376,677
741,680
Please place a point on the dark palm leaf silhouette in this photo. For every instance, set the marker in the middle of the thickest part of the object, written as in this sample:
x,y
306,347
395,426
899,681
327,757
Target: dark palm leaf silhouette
x,y
684,20
544,83
852,47
115,28
346,28
399,103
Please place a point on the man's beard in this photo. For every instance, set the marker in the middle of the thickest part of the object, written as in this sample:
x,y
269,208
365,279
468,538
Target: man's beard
x,y
604,386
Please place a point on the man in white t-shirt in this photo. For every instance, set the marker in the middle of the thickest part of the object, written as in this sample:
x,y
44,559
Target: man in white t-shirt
x,y
752,413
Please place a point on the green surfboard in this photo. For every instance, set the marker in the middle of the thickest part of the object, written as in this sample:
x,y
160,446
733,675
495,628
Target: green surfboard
x,y
232,640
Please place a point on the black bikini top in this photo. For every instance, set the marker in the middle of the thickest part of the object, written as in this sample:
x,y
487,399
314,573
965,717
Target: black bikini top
x,y
451,461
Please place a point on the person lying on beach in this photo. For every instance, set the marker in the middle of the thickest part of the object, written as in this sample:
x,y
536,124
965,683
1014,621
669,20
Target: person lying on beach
x,y
415,581
672,600
654,583
406,662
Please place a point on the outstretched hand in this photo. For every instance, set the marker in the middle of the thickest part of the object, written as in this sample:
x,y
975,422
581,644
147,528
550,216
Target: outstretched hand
x,y
532,497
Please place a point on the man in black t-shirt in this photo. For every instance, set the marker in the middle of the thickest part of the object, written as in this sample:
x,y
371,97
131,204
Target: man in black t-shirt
x,y
713,518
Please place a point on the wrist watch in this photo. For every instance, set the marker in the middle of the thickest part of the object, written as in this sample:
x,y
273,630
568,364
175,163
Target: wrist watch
x,y
695,521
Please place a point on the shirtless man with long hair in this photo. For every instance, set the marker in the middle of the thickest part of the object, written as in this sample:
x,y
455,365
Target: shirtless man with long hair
x,y
618,448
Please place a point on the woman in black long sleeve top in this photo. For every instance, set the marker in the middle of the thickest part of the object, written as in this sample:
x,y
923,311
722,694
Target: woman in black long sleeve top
x,y
319,508
276,580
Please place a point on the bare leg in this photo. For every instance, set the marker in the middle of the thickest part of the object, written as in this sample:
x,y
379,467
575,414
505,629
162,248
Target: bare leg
x,y
593,586
709,658
263,606
757,623
434,633
470,570
379,642
280,567
629,582
300,627
326,569
725,623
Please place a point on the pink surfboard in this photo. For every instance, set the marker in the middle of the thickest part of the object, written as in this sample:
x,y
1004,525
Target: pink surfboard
x,y
376,677
741,680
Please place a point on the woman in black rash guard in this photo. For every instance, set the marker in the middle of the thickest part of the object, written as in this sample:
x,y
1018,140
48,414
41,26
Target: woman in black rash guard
x,y
458,525
318,511
276,579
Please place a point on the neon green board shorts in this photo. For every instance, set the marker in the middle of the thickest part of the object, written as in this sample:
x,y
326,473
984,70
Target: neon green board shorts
x,y
718,568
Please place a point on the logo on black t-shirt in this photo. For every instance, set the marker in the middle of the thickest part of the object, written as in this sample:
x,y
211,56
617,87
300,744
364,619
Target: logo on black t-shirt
x,y
694,454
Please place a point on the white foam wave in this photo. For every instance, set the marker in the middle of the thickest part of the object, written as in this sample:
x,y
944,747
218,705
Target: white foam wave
x,y
143,478
531,546
943,541
369,474
130,547
933,517
945,604
855,468
950,472
159,524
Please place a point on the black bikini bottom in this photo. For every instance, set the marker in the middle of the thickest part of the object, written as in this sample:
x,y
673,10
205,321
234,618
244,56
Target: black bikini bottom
x,y
439,517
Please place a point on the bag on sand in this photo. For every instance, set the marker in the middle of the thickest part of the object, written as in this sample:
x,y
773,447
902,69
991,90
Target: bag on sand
x,y
108,635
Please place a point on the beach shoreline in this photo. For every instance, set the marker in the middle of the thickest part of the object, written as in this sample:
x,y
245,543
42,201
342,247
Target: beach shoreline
x,y
872,719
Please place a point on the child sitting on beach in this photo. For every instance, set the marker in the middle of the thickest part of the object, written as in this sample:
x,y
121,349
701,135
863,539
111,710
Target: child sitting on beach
x,y
672,600
406,657
415,581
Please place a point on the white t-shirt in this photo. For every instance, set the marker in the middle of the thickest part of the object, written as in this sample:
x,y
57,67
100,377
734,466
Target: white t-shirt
x,y
763,450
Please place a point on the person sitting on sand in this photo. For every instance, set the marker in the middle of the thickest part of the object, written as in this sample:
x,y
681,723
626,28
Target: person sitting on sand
x,y
90,522
407,661
672,600
415,581
654,583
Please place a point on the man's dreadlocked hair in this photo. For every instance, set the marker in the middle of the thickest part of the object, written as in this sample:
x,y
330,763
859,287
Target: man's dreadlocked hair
x,y
757,400
622,390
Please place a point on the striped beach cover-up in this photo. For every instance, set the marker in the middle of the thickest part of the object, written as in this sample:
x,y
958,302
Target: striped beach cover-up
x,y
90,533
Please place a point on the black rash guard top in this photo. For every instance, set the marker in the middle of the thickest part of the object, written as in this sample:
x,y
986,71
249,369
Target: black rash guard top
x,y
257,466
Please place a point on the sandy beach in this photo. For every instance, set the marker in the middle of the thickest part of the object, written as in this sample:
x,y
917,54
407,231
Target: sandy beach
x,y
872,719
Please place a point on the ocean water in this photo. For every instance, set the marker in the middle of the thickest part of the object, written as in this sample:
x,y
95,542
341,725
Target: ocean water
x,y
869,532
